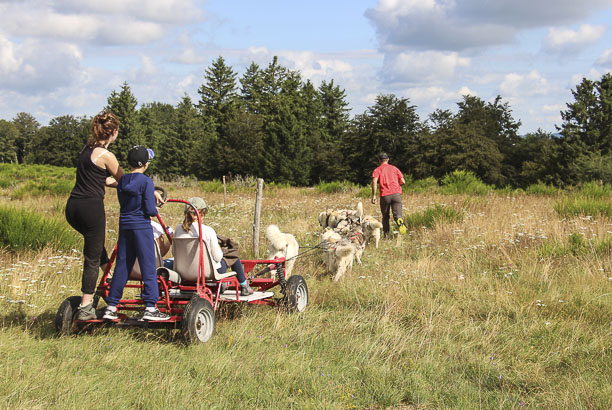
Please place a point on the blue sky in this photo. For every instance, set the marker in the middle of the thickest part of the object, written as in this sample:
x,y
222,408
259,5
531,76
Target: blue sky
x,y
65,56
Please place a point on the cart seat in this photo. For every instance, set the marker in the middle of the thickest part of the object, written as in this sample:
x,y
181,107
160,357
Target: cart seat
x,y
186,251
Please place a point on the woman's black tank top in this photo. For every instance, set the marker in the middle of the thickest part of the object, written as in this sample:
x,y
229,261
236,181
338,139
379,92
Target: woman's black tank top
x,y
90,179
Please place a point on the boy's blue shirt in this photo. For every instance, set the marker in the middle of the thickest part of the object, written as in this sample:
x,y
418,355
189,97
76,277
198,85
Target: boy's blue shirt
x,y
137,200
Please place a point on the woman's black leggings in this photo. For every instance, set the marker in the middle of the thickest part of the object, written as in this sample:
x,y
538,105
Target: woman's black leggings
x,y
88,218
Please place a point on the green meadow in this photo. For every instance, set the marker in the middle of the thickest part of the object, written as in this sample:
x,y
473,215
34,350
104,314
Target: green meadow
x,y
493,299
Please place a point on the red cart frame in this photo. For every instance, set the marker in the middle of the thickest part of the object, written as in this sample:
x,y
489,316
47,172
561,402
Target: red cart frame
x,y
192,305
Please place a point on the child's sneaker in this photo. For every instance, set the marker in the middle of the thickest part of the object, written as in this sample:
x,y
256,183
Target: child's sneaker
x,y
246,290
110,314
154,315
86,312
402,226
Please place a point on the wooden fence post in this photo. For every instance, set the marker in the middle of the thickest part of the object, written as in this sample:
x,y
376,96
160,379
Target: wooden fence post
x,y
257,217
224,191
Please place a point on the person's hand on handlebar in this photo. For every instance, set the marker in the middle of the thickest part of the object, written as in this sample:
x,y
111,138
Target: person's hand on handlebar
x,y
159,199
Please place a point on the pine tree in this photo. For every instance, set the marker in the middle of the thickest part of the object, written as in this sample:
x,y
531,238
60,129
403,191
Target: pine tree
x,y
28,127
329,161
495,122
391,125
251,85
156,120
123,105
9,134
218,93
587,132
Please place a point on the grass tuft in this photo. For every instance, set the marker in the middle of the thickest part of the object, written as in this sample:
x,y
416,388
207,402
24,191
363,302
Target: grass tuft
x,y
23,230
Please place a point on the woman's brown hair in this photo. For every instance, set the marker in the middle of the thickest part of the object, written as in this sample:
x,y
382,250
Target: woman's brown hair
x,y
190,217
103,126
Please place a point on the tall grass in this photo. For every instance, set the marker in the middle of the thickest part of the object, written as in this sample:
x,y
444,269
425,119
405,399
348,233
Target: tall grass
x,y
23,230
507,306
542,189
337,187
432,216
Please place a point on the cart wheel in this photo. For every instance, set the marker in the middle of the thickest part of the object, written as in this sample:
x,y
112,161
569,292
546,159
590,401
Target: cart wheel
x,y
64,320
198,320
163,193
296,296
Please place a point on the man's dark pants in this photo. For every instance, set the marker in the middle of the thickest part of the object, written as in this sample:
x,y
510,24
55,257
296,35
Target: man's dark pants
x,y
394,202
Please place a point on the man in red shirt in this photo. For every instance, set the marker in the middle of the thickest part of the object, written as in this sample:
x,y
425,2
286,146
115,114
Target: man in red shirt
x,y
390,180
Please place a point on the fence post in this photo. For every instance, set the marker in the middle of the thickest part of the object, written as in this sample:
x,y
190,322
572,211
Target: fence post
x,y
224,191
257,217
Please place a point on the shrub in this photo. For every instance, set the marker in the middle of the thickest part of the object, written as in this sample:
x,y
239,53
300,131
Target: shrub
x,y
542,189
336,187
216,185
464,182
45,186
595,190
576,245
432,216
20,229
572,207
420,185
365,192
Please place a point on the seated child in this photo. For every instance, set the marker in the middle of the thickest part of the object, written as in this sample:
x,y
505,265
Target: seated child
x,y
189,228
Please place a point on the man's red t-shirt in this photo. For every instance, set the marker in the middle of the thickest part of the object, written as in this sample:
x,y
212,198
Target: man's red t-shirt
x,y
389,178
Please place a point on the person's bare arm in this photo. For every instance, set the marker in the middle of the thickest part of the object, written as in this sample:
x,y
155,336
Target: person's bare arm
x,y
112,165
374,186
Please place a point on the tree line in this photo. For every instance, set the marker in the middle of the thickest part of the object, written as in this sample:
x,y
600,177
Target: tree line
x,y
271,123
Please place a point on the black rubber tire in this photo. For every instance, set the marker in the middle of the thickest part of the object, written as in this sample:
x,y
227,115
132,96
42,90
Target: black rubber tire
x,y
64,319
198,323
163,192
296,294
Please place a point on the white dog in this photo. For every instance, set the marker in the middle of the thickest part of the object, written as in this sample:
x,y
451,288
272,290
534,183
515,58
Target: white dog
x,y
338,254
282,245
371,229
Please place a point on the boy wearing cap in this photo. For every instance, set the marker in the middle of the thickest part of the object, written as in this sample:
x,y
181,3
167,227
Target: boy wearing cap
x,y
390,180
137,200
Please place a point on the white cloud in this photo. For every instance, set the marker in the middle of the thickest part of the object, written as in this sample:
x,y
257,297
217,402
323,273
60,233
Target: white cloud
x,y
37,66
573,40
147,67
110,22
552,108
428,99
457,25
523,85
605,59
162,11
190,56
314,66
9,62
422,67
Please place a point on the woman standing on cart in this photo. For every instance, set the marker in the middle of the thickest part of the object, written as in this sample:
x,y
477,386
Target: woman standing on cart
x,y
97,168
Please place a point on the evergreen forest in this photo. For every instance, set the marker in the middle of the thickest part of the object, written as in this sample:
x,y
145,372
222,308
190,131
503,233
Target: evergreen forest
x,y
273,124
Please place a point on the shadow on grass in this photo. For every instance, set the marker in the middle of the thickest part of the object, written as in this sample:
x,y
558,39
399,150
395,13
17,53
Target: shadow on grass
x,y
39,326
42,326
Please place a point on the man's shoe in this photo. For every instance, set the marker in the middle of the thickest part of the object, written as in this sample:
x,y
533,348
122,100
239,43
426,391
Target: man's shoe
x,y
223,287
246,290
402,226
86,312
110,314
154,315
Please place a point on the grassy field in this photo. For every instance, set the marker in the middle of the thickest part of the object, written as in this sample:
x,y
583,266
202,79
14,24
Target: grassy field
x,y
507,306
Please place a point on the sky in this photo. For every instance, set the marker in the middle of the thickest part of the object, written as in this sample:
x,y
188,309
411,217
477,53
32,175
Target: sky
x,y
61,57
